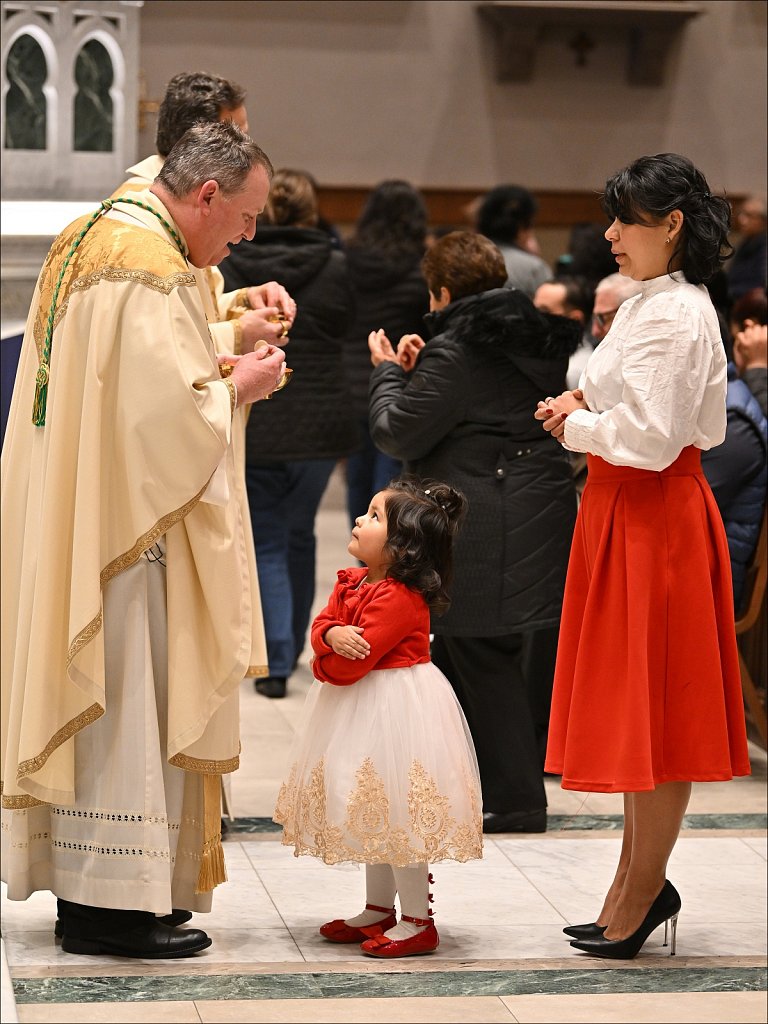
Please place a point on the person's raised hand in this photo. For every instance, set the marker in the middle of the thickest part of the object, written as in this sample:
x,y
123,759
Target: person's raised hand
x,y
750,346
381,348
408,349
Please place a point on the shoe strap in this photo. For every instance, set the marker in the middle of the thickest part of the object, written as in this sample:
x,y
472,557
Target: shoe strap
x,y
381,910
417,920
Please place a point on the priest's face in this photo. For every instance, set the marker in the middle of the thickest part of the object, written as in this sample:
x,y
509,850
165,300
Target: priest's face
x,y
229,219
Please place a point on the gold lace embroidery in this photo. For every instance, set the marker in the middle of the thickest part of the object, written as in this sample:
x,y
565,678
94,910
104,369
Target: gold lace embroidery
x,y
162,526
85,718
256,671
367,834
205,767
20,803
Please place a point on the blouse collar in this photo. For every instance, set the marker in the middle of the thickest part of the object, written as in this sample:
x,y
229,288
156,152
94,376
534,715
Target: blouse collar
x,y
663,283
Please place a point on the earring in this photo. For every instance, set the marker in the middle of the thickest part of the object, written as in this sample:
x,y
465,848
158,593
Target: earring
x,y
669,240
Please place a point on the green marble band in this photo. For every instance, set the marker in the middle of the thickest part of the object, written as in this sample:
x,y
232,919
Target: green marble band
x,y
390,986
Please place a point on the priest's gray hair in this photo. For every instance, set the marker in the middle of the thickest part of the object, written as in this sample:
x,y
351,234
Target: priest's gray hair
x,y
220,152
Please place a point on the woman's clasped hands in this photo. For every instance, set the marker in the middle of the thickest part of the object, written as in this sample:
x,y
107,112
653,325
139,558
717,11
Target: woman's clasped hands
x,y
553,412
382,351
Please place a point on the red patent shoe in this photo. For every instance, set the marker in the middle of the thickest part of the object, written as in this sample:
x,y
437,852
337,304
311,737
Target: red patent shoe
x,y
339,931
417,945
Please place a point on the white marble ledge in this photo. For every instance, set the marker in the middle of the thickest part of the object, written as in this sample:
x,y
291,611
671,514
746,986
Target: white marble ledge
x,y
39,218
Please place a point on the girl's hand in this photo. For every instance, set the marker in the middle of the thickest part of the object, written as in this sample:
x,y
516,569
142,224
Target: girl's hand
x,y
553,412
381,348
408,349
348,642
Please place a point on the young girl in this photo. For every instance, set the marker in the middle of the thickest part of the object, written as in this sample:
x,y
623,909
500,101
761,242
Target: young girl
x,y
385,772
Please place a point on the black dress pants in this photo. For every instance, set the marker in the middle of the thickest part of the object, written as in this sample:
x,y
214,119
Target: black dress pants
x,y
84,922
488,677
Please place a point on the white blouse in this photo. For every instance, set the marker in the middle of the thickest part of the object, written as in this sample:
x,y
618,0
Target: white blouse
x,y
657,381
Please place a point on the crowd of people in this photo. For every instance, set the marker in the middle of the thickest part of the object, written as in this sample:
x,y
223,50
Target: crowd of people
x,y
160,489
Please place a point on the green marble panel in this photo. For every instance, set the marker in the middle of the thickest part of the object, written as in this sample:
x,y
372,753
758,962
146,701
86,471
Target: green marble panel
x,y
369,985
560,823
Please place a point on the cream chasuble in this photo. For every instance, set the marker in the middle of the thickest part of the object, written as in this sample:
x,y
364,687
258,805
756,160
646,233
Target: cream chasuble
x,y
135,447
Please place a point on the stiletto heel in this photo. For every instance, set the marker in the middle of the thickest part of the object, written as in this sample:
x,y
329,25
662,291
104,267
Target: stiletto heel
x,y
674,934
664,908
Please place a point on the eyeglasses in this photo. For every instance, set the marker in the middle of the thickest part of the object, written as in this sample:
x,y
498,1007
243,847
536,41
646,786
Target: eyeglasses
x,y
605,319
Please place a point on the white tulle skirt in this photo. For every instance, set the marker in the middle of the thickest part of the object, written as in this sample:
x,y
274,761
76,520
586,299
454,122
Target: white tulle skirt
x,y
383,772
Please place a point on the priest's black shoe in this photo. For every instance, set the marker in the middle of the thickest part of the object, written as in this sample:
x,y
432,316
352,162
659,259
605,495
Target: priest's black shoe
x,y
176,917
145,942
272,686
664,908
516,821
585,931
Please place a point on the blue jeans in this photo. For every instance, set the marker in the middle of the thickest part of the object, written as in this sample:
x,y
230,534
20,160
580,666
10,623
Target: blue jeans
x,y
284,498
368,472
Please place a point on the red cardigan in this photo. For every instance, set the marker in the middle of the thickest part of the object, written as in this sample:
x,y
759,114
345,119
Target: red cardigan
x,y
395,623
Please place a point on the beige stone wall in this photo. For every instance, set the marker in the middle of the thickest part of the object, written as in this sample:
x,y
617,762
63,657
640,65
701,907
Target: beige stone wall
x,y
356,92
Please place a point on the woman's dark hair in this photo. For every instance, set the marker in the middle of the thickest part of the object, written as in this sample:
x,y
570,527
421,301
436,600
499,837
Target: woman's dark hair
x,y
752,305
652,187
393,221
465,263
505,212
423,519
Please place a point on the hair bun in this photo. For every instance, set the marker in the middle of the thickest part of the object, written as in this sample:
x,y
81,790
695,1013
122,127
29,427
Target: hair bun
x,y
451,501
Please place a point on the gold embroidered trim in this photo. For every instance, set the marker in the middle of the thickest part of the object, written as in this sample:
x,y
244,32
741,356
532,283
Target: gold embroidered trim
x,y
162,526
237,337
84,637
232,387
18,803
241,298
34,764
256,671
203,767
367,834
165,285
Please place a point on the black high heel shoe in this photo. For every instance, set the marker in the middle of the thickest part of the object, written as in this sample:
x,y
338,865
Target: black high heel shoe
x,y
665,908
585,931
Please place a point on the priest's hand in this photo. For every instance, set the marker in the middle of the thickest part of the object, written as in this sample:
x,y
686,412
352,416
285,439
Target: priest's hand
x,y
273,294
257,374
265,324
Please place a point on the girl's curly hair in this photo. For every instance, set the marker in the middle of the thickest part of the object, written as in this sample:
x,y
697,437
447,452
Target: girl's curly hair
x,y
423,519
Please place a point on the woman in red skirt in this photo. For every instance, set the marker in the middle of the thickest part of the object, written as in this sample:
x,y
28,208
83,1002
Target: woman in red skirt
x,y
647,695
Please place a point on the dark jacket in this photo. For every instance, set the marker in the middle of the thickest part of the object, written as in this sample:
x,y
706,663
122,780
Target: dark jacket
x,y
311,417
464,416
390,294
737,473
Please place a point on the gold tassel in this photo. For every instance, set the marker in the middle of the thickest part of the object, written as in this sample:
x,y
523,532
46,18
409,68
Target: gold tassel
x,y
212,869
41,395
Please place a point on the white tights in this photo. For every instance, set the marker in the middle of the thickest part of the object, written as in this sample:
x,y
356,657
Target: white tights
x,y
381,883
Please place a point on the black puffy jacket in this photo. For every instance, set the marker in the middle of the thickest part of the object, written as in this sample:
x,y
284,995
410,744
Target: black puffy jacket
x,y
312,417
464,416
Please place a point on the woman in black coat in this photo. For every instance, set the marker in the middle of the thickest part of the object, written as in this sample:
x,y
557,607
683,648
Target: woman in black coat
x,y
384,261
294,440
464,415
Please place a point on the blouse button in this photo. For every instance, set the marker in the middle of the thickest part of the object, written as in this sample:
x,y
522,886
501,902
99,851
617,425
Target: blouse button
x,y
500,472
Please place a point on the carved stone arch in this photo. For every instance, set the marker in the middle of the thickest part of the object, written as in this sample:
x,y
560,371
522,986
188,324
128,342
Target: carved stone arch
x,y
25,25
98,30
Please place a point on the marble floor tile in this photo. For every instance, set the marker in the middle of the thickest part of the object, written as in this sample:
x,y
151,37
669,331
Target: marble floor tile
x,y
759,844
434,1010
650,1008
110,1013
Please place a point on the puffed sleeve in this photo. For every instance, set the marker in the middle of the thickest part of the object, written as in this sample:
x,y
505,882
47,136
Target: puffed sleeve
x,y
666,370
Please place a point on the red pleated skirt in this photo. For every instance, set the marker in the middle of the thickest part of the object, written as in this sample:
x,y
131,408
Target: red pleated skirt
x,y
647,685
